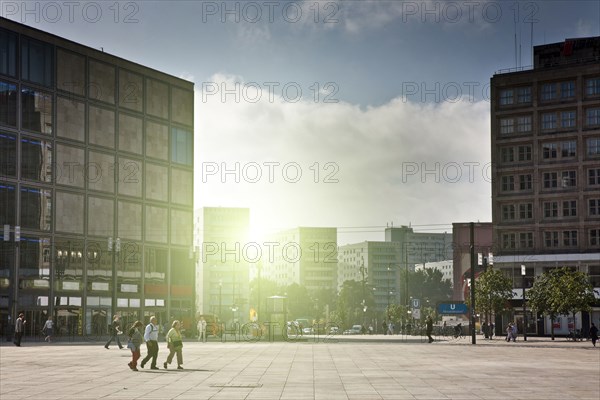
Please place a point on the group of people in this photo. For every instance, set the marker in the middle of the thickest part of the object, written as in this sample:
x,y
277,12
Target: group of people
x,y
47,330
149,336
511,332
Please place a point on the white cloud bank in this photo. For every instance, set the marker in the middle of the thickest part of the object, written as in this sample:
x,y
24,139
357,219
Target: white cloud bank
x,y
401,162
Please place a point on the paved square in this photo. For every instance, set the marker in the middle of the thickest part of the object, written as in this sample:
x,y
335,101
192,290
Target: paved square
x,y
361,367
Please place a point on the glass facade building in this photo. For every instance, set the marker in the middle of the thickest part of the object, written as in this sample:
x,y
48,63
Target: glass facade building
x,y
96,186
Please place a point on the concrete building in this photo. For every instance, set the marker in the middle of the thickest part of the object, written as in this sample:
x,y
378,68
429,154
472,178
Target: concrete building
x,y
225,262
546,155
96,186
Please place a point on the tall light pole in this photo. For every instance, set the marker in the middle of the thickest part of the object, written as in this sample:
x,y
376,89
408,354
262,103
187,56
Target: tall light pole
x,y
523,273
472,240
114,248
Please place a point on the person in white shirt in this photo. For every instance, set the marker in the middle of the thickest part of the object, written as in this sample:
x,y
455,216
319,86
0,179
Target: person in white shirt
x,y
201,330
48,329
151,338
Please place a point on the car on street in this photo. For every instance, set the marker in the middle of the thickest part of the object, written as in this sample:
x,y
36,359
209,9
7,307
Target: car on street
x,y
355,330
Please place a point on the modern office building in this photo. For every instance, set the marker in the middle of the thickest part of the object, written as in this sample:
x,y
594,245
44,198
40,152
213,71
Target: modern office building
x,y
546,155
226,257
96,186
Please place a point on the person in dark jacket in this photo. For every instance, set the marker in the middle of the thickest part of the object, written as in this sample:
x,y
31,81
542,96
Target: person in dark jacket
x,y
115,331
135,342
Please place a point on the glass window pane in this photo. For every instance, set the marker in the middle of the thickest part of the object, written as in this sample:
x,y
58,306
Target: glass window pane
x,y
8,104
8,200
36,208
8,53
36,159
36,111
8,155
37,62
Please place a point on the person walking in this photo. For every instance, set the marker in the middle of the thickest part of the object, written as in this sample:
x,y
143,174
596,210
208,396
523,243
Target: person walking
x,y
115,331
175,345
491,328
594,334
429,328
151,338
48,329
514,332
135,342
19,329
201,330
509,332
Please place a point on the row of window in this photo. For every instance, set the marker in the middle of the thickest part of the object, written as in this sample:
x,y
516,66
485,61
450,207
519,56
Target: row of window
x,y
550,239
565,120
550,209
566,149
549,91
550,180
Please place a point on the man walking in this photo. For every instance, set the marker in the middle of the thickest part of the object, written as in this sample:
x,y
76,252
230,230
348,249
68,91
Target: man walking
x,y
151,338
201,330
19,329
429,328
115,332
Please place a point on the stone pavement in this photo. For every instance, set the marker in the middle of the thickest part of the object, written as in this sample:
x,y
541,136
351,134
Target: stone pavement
x,y
353,367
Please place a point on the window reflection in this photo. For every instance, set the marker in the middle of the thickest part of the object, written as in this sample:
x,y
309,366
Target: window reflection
x,y
68,262
8,53
37,62
36,111
34,260
36,159
8,209
36,208
98,266
8,104
8,155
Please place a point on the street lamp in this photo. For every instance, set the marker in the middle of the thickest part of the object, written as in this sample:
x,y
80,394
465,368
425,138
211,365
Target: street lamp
x,y
523,272
220,296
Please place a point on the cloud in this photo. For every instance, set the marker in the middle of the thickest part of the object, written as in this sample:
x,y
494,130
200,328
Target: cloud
x,y
312,164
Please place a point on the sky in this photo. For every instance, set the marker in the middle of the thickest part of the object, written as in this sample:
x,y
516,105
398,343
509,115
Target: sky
x,y
348,114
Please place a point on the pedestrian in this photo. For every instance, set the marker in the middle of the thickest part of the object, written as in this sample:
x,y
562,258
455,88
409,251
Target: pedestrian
x,y
390,328
484,329
19,329
509,332
115,331
491,327
201,330
429,328
151,338
594,334
384,326
175,345
48,329
514,332
135,342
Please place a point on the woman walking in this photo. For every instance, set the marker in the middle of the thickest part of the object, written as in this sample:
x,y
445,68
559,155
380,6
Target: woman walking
x,y
135,341
175,345
48,329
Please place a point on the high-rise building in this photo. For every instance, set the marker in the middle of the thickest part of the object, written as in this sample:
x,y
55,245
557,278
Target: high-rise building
x,y
96,186
546,157
226,256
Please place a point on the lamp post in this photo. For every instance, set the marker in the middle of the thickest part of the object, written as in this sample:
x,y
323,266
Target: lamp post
x,y
220,297
523,272
114,248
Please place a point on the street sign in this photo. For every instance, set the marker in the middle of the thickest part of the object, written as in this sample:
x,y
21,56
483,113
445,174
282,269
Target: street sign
x,y
416,313
416,303
452,308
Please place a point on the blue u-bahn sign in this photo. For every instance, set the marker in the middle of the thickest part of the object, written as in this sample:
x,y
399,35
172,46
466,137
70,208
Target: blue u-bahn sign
x,y
452,308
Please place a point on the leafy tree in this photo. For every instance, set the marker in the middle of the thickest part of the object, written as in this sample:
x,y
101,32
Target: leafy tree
x,y
264,288
426,284
300,304
493,291
352,300
560,291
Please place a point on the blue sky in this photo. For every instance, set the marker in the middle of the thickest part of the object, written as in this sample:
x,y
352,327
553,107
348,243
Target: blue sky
x,y
380,106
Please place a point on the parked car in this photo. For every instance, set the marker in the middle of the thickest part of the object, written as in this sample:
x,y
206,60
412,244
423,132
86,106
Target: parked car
x,y
355,330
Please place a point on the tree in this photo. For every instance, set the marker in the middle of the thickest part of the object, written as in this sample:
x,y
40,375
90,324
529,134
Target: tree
x,y
300,304
352,300
427,284
561,291
493,291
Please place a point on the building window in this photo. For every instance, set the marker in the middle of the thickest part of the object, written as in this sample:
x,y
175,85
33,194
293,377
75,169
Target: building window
x,y
8,104
526,211
524,124
567,119
595,237
593,146
549,151
507,126
36,111
592,116
551,239
569,178
592,87
569,208
524,95
8,53
548,91
570,238
594,176
567,89
508,212
526,240
568,149
550,209
509,240
508,183
507,154
36,159
37,62
549,121
182,145
525,182
594,207
550,180
506,97
524,153
8,155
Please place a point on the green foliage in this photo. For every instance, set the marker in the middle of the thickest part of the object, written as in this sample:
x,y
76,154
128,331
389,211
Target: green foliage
x,y
426,284
352,300
493,291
